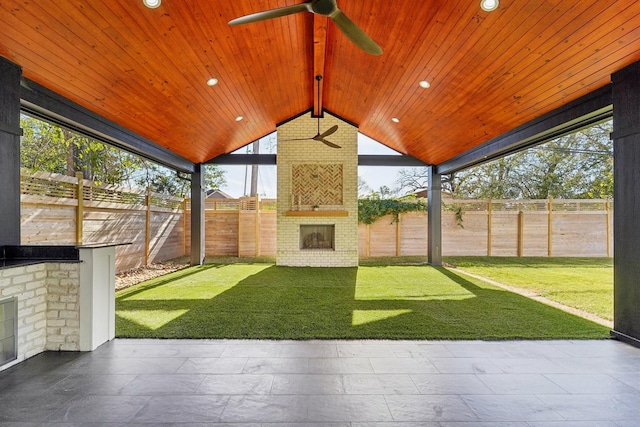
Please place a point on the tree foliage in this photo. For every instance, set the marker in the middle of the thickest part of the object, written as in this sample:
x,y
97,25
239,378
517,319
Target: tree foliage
x,y
576,166
46,147
49,148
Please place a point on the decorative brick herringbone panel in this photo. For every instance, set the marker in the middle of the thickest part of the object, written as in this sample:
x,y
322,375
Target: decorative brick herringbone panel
x,y
317,184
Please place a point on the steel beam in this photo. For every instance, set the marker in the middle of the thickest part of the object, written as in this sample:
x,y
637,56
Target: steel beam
x,y
363,160
10,132
434,218
197,215
626,193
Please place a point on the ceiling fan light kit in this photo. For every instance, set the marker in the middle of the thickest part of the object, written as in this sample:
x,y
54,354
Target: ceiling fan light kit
x,y
328,8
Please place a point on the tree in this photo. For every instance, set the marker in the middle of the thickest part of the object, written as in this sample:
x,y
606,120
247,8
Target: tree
x,y
579,165
50,148
363,187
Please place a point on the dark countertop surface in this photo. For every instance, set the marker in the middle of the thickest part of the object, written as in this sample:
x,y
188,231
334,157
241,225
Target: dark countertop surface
x,y
20,255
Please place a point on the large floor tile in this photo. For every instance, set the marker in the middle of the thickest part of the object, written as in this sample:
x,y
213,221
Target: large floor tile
x,y
180,409
494,408
429,408
446,384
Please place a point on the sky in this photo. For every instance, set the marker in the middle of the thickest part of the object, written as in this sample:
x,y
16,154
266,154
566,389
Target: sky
x,y
239,177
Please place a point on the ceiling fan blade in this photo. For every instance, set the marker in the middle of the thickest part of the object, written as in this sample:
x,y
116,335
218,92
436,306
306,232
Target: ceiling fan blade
x,y
355,34
295,139
329,143
329,131
273,13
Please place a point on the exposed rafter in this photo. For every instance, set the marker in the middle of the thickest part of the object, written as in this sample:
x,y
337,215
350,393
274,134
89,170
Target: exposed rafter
x,y
319,56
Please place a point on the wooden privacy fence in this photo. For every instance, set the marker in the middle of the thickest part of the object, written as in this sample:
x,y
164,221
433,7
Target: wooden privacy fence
x,y
58,209
243,227
156,227
499,228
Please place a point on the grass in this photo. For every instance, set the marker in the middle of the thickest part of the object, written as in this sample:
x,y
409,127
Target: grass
x,y
263,301
583,283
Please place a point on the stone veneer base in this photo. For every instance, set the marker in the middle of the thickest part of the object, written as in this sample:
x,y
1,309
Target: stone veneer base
x,y
48,306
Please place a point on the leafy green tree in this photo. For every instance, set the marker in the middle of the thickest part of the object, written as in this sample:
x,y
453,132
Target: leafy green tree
x,y
50,148
576,166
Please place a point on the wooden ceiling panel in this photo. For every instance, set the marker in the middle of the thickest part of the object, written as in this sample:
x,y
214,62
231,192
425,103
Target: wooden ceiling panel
x,y
146,69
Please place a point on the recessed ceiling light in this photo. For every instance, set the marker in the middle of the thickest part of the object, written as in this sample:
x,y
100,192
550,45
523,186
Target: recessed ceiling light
x,y
424,84
239,118
489,5
395,120
212,81
152,4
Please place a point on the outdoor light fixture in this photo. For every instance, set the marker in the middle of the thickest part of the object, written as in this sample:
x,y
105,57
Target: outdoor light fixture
x,y
212,81
424,84
489,5
152,4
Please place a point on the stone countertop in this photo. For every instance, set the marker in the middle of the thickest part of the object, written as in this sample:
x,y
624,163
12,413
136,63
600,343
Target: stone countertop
x,y
16,256
20,255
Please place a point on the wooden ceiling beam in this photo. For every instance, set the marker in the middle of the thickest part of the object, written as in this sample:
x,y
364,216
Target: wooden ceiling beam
x,y
319,58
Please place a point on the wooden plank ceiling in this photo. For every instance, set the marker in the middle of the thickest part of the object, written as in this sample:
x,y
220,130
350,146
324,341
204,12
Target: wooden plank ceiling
x,y
146,69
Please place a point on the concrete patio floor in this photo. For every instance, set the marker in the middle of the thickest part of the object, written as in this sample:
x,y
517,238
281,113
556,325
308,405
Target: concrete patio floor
x,y
328,383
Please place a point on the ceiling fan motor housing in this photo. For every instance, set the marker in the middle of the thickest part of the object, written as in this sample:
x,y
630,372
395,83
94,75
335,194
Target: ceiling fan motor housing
x,y
324,7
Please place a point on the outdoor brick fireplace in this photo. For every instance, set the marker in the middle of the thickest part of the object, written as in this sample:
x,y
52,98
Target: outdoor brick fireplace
x,y
317,194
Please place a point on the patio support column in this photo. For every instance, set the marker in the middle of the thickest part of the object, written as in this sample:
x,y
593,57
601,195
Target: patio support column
x,y
10,132
626,237
197,215
434,212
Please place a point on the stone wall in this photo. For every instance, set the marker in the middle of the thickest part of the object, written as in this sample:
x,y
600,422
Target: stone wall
x,y
335,191
48,307
63,306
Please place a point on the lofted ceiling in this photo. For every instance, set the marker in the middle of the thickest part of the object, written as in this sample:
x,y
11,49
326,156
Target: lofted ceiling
x,y
147,69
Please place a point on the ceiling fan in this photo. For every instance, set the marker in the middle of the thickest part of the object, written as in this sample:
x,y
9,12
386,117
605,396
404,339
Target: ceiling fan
x,y
320,136
327,8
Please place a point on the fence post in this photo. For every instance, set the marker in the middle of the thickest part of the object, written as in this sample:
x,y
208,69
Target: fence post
x,y
550,227
368,240
398,237
608,227
489,225
80,208
184,226
257,238
520,233
147,227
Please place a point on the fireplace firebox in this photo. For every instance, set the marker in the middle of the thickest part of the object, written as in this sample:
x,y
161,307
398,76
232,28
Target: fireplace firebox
x,y
317,236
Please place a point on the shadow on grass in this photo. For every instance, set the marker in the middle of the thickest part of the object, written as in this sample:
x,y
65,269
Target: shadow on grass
x,y
304,303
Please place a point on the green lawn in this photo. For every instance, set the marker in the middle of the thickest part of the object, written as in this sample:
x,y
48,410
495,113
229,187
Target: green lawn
x,y
394,302
583,283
